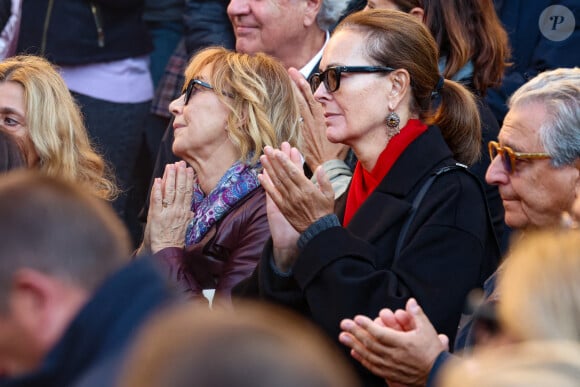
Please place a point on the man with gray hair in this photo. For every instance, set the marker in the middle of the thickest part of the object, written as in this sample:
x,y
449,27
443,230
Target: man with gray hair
x,y
536,166
292,31
69,303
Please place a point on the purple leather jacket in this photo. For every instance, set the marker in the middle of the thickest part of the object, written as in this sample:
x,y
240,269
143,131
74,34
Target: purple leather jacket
x,y
227,254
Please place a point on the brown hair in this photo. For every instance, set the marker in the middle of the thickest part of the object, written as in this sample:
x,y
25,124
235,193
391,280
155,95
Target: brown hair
x,y
258,345
258,91
11,156
58,228
470,29
397,40
466,30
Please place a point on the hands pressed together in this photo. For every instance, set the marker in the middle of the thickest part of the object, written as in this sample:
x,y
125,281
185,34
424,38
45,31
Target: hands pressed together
x,y
400,347
169,208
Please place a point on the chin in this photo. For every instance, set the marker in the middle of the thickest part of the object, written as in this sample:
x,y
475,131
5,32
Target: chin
x,y
517,221
334,136
177,151
248,46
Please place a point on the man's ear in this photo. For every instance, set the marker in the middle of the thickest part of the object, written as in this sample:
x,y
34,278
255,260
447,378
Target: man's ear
x,y
418,13
311,11
44,304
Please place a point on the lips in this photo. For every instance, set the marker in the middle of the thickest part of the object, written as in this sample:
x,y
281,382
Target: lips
x,y
241,30
327,114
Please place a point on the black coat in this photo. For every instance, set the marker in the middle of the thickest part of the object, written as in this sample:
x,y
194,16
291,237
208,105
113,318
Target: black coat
x,y
450,249
99,335
77,34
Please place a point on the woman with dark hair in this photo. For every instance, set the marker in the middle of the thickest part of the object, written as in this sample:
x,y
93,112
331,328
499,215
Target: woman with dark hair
x,y
474,51
414,223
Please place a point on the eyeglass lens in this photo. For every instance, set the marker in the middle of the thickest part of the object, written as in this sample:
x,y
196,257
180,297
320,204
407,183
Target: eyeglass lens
x,y
504,156
330,77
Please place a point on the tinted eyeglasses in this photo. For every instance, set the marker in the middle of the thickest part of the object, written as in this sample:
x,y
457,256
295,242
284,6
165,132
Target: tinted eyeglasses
x,y
331,76
509,157
193,86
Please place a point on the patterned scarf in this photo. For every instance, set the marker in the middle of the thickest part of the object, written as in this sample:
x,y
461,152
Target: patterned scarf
x,y
235,184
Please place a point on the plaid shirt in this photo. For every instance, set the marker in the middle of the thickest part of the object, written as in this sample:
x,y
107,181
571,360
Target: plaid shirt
x,y
171,82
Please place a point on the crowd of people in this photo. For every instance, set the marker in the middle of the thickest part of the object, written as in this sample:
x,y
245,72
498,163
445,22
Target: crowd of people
x,y
344,193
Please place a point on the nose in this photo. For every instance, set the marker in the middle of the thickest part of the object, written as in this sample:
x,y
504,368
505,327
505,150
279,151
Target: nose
x,y
176,106
321,93
496,173
238,7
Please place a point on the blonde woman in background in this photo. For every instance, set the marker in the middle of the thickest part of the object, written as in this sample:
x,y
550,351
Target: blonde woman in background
x,y
37,109
540,288
539,313
208,222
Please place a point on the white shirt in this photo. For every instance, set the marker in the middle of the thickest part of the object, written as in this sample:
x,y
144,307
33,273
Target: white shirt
x,y
307,69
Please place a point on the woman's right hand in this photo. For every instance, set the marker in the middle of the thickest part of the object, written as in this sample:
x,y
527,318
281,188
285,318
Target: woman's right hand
x,y
316,147
294,201
170,208
284,236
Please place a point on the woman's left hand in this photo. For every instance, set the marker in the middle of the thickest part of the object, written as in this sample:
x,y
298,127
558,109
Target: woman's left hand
x,y
170,207
298,199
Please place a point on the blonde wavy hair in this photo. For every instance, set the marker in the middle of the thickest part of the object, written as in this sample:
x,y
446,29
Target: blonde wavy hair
x,y
539,287
55,126
260,95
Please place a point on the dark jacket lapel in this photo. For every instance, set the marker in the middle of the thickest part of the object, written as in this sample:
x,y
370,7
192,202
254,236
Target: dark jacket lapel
x,y
392,199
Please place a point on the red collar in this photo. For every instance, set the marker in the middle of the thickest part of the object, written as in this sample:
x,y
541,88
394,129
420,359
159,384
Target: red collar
x,y
365,182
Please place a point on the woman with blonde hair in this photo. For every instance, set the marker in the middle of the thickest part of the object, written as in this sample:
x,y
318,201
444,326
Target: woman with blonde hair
x,y
208,221
539,316
539,287
38,110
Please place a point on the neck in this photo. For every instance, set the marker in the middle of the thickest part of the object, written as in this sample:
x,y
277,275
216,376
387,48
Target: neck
x,y
209,172
302,49
370,148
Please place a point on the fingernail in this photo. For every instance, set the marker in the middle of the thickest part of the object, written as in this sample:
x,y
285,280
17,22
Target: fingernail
x,y
358,320
413,306
347,324
344,338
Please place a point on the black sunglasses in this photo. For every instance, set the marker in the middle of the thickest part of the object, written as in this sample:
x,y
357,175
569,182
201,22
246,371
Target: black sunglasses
x,y
331,76
509,157
193,86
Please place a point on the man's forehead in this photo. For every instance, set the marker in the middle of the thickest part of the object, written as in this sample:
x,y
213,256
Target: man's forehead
x,y
520,129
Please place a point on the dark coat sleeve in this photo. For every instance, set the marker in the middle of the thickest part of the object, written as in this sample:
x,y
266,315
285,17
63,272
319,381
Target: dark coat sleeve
x,y
340,274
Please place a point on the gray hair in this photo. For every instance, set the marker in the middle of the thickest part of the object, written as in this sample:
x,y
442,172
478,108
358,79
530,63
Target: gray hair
x,y
330,12
559,91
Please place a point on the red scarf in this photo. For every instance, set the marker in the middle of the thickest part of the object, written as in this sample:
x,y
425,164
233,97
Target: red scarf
x,y
364,183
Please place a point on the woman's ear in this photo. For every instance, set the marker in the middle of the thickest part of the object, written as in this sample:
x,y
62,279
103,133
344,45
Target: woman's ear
x,y
400,81
418,13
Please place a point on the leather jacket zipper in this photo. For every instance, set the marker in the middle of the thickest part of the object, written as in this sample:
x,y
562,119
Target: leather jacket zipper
x,y
99,24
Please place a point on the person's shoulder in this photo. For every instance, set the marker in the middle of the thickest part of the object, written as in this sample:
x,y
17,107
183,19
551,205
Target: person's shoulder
x,y
103,373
